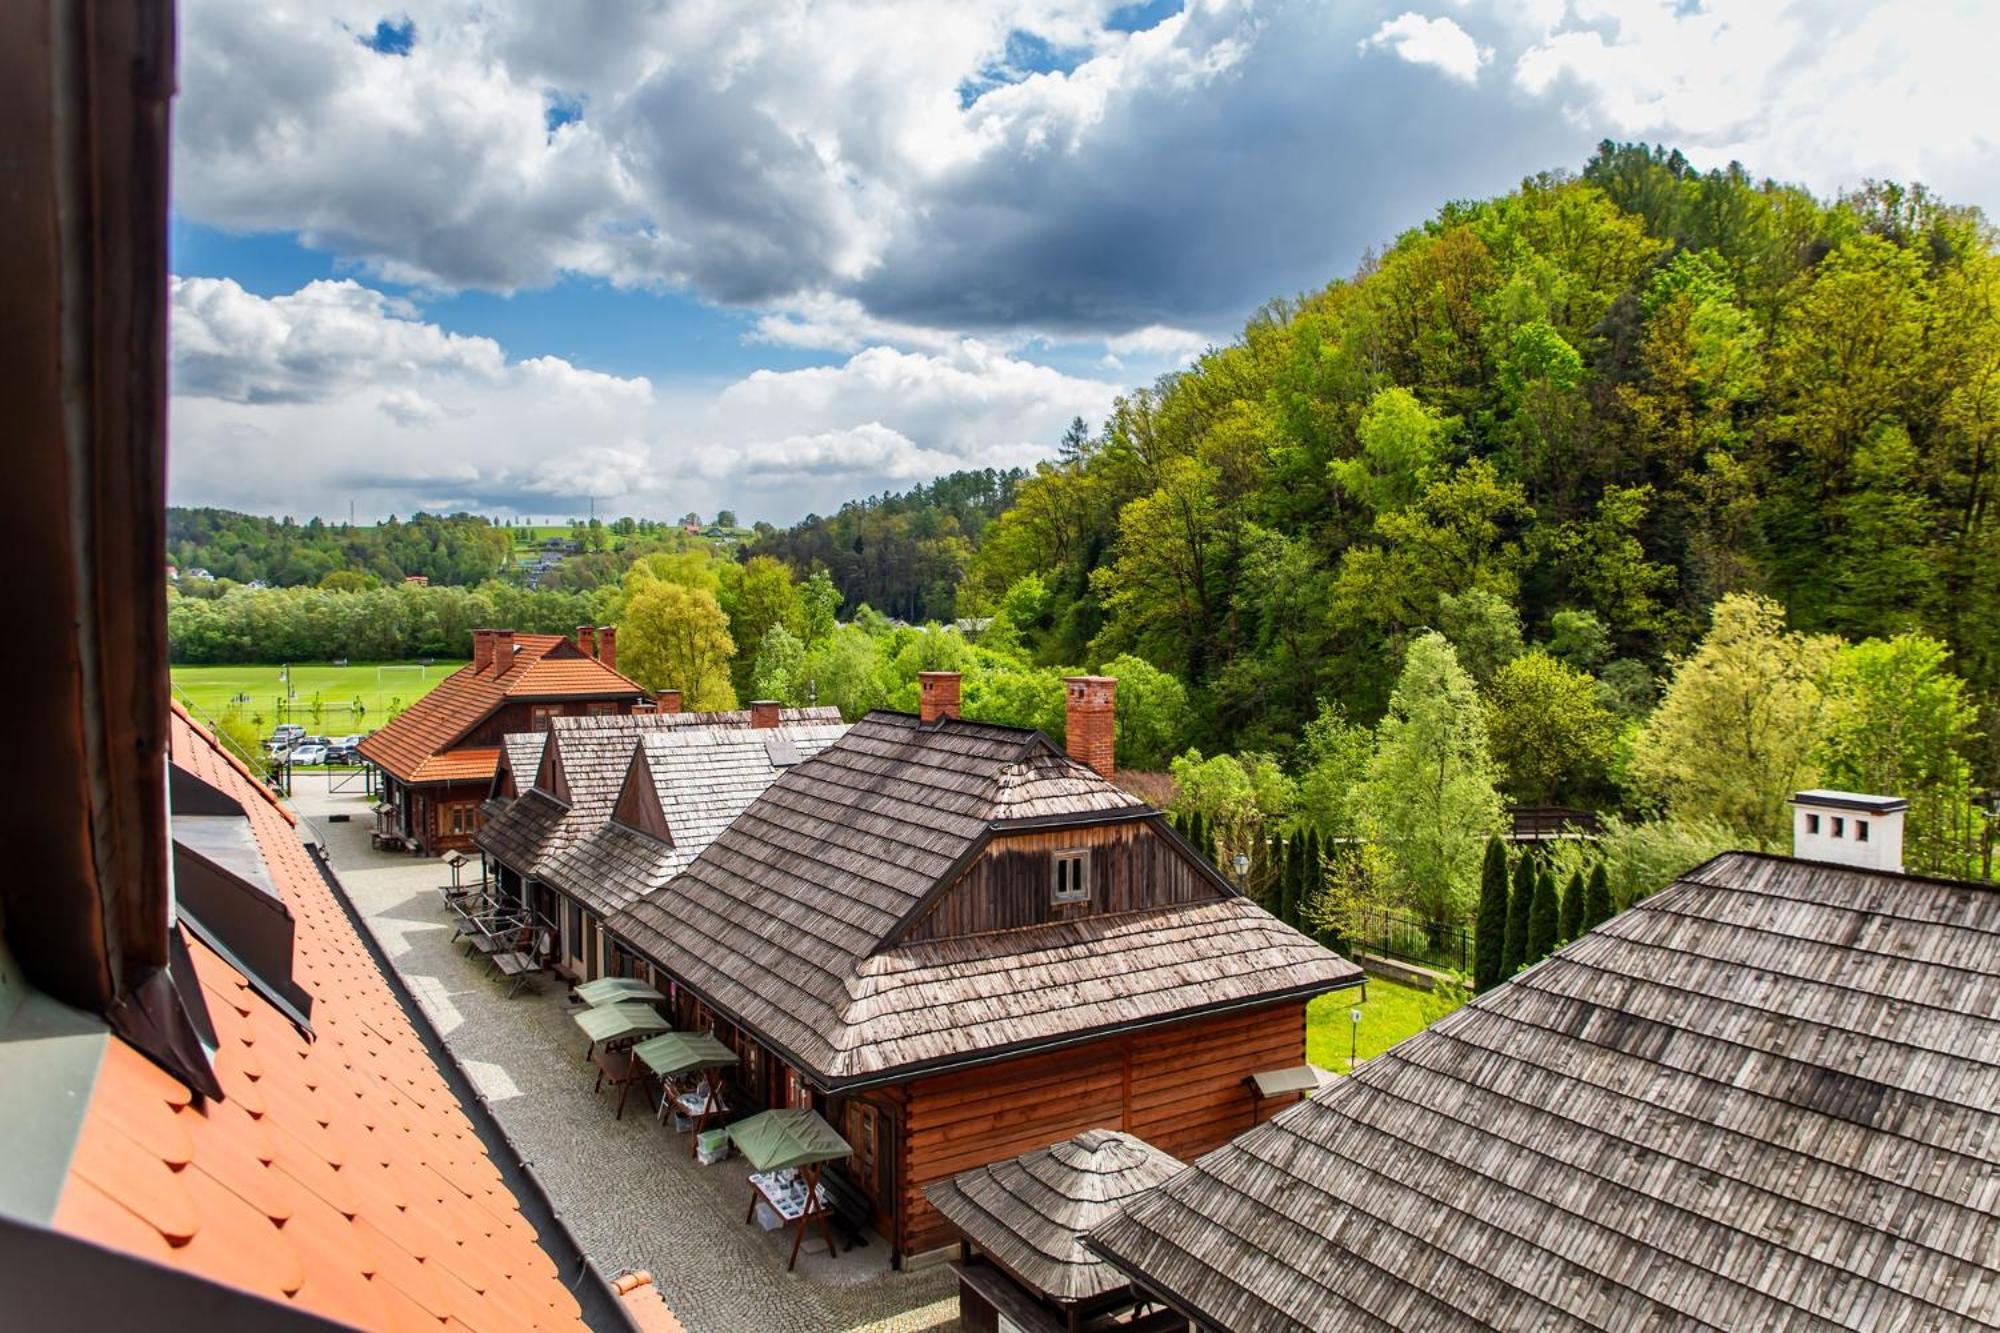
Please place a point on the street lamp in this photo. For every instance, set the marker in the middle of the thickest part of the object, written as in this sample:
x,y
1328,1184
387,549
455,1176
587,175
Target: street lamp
x,y
1242,864
1353,1036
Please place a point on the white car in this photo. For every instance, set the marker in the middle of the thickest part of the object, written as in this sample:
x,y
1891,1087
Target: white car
x,y
307,754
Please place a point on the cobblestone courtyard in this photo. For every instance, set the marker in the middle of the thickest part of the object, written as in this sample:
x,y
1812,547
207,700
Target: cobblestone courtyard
x,y
626,1188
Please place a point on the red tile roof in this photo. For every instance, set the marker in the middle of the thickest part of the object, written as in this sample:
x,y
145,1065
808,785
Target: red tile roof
x,y
545,666
338,1173
477,761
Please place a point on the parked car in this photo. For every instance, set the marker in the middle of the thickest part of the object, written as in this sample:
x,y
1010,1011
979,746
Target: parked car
x,y
307,755
341,753
284,738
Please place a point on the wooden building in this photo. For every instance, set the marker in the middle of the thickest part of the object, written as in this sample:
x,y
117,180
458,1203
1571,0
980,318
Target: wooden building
x,y
1766,1097
587,816
1021,1224
437,758
959,944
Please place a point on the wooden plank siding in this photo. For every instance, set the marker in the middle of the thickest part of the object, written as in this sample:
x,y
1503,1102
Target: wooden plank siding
x,y
1182,1088
519,716
1011,883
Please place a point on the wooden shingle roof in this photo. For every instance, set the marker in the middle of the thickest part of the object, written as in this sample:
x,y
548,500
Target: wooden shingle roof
x,y
787,920
543,666
1029,1213
1766,1097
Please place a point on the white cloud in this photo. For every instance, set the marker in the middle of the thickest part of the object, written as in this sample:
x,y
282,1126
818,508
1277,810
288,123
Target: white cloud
x,y
1437,42
304,402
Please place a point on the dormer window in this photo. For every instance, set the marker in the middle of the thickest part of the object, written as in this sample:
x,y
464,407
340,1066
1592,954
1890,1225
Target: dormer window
x,y
1072,871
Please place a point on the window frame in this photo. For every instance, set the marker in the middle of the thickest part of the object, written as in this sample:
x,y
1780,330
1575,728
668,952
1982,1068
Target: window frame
x,y
1079,889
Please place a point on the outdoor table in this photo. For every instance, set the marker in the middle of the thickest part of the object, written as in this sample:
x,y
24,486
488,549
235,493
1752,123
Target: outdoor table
x,y
616,1064
614,990
618,1024
687,1053
790,1137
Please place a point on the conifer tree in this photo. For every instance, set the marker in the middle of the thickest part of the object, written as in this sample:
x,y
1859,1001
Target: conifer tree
x,y
1514,949
1572,907
1544,918
1197,834
1597,908
1309,874
1490,943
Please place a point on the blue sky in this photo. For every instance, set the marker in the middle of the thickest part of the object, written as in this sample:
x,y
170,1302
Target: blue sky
x,y
510,255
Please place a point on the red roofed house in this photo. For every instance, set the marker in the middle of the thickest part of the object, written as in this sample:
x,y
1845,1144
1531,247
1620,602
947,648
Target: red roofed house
x,y
438,757
221,1112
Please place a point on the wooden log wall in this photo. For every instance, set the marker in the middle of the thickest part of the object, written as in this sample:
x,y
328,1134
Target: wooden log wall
x,y
1182,1088
1012,884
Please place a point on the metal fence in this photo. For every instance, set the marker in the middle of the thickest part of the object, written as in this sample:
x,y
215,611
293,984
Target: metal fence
x,y
1397,934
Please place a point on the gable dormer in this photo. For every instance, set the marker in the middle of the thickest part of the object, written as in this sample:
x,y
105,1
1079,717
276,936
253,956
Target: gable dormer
x,y
550,780
1042,871
638,806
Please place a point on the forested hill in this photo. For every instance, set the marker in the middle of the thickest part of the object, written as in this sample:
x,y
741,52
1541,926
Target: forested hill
x,y
1580,413
901,554
445,549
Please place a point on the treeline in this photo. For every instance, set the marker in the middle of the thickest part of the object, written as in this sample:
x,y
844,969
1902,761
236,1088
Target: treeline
x,y
379,624
455,549
902,554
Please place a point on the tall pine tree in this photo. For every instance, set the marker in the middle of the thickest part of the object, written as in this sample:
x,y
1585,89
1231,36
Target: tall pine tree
x,y
1572,906
1489,945
1514,951
1597,908
1544,918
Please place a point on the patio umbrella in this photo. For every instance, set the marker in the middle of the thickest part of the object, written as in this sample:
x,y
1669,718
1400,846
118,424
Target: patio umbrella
x,y
792,1136
616,1022
683,1052
614,990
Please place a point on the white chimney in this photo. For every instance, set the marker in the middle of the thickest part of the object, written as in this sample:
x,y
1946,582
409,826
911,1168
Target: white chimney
x,y
1849,828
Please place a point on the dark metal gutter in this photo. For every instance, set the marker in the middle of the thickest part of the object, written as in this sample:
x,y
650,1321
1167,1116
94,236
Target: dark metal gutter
x,y
602,1309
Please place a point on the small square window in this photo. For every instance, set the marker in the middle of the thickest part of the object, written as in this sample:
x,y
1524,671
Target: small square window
x,y
1072,877
1812,823
1861,830
1839,827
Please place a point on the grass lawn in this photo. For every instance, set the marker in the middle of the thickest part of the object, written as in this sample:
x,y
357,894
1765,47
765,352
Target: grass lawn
x,y
1391,1013
214,688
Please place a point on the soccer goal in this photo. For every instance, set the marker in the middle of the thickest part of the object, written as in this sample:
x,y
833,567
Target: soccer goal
x,y
383,673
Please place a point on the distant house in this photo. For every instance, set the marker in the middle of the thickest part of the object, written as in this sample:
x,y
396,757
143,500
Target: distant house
x,y
598,810
417,580
960,943
1766,1097
438,757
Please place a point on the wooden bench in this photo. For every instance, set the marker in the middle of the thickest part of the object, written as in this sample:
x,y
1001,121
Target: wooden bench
x,y
617,1067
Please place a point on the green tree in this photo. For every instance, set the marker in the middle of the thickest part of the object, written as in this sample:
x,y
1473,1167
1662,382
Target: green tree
x,y
758,597
1597,908
819,602
1735,734
676,637
1489,942
1429,797
1544,918
1520,902
1573,907
1402,444
780,669
1334,759
1154,720
1549,730
1484,629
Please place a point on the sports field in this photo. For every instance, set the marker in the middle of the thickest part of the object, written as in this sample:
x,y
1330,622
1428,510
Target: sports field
x,y
259,692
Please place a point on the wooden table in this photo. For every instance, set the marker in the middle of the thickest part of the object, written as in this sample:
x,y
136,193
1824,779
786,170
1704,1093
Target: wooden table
x,y
617,1065
796,1196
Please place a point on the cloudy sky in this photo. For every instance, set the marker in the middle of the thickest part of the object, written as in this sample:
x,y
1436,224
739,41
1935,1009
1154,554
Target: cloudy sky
x,y
510,255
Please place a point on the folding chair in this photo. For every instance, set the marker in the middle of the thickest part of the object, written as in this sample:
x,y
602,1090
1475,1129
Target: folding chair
x,y
522,964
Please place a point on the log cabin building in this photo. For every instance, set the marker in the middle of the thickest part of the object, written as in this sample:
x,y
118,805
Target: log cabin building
x,y
1766,1097
615,806
437,758
959,944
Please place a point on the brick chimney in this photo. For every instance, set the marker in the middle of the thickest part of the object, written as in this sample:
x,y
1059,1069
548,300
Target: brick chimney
x,y
503,651
667,701
937,695
482,650
763,714
1091,711
586,640
607,645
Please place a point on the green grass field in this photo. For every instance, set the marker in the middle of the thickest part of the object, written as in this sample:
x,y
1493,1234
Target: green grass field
x,y
213,689
1391,1013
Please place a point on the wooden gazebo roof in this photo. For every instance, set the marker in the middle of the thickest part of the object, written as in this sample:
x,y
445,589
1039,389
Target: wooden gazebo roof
x,y
1029,1213
1766,1097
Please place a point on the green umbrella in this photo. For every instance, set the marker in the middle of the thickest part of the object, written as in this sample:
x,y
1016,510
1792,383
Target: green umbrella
x,y
613,990
788,1136
683,1052
615,1022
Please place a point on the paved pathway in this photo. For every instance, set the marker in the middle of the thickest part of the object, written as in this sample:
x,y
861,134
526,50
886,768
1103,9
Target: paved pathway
x,y
626,1188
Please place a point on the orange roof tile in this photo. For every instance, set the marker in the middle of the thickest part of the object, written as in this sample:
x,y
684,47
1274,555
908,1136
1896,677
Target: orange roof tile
x,y
545,666
338,1174
475,762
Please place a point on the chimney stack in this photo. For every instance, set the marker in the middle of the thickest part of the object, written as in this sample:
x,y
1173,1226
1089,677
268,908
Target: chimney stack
x,y
937,695
763,714
667,701
607,645
1849,829
586,640
482,650
1091,714
503,651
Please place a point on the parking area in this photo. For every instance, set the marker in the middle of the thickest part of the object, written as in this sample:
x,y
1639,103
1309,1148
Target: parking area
x,y
626,1188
